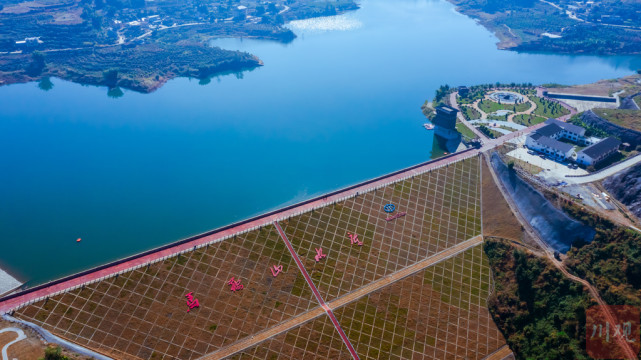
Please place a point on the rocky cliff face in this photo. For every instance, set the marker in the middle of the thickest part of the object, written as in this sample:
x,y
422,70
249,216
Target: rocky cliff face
x,y
625,186
625,135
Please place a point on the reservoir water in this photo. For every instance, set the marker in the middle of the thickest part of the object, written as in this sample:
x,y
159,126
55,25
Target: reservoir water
x,y
338,105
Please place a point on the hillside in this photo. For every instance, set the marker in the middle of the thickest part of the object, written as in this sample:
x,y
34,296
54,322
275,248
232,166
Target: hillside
x,y
626,187
540,312
145,42
560,26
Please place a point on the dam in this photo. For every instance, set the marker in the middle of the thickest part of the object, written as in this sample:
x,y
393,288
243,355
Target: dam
x,y
261,286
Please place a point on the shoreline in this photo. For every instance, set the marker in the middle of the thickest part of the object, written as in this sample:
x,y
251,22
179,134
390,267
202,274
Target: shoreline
x,y
8,283
27,296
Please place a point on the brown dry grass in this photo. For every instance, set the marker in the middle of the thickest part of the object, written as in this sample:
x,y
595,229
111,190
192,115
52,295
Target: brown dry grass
x,y
498,218
603,87
143,313
30,348
630,119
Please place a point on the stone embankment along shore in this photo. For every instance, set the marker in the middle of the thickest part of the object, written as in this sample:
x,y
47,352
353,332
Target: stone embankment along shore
x,y
26,297
8,283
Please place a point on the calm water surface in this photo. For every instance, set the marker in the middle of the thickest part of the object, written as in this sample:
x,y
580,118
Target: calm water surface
x,y
334,107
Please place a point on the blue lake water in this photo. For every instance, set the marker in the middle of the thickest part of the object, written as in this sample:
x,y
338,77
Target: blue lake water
x,y
332,108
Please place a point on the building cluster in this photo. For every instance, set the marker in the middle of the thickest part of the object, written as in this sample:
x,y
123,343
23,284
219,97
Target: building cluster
x,y
549,141
29,41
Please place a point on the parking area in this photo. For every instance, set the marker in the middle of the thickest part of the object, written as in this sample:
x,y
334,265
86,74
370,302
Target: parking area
x,y
552,169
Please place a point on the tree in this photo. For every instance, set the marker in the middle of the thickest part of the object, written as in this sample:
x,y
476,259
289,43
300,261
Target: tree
x,y
271,7
115,92
111,77
45,84
37,64
202,8
54,354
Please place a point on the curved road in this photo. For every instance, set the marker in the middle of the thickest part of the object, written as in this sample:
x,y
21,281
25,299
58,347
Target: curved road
x,y
605,173
21,336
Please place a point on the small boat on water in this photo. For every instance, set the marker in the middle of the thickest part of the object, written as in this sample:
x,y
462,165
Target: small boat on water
x,y
428,126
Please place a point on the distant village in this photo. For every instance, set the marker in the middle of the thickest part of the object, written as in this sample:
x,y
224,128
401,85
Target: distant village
x,y
101,23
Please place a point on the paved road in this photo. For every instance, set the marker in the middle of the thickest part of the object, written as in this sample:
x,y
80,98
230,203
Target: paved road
x,y
461,118
529,111
605,173
21,336
50,338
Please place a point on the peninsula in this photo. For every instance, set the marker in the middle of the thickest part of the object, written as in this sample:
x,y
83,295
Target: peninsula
x,y
560,26
138,44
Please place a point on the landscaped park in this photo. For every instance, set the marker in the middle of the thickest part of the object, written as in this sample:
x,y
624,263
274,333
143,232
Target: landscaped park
x,y
393,272
499,110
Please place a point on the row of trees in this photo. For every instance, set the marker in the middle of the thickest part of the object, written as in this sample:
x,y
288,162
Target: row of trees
x,y
498,84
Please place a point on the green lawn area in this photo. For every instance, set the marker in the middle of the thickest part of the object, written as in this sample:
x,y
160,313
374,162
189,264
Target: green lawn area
x,y
470,113
548,109
489,132
489,106
471,97
528,120
465,131
499,118
630,119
